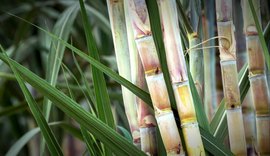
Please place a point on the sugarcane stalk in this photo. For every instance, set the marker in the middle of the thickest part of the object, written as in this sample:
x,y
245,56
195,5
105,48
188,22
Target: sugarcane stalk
x,y
117,21
209,59
196,64
260,94
146,119
227,49
249,124
247,106
178,72
196,55
148,129
257,78
154,77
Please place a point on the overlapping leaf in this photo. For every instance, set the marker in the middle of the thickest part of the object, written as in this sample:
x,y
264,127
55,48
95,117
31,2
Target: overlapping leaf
x,y
118,144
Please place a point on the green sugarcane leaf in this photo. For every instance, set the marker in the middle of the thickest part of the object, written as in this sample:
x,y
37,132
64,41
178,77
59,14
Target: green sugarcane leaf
x,y
133,88
117,143
18,52
125,133
47,133
200,113
7,76
212,145
101,93
19,144
89,141
61,29
79,87
266,33
89,93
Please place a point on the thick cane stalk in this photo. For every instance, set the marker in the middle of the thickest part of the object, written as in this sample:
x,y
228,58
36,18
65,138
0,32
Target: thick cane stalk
x,y
249,123
247,106
146,119
117,20
227,51
179,77
209,56
154,77
196,55
257,78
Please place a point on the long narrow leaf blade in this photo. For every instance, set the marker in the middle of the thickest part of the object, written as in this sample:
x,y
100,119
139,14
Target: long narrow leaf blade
x,y
102,97
62,29
118,144
86,136
19,144
133,88
47,133
200,113
212,145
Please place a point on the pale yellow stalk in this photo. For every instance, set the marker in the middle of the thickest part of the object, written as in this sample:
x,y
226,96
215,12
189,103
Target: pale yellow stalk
x,y
117,20
179,77
227,49
257,77
247,106
146,119
154,77
249,124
